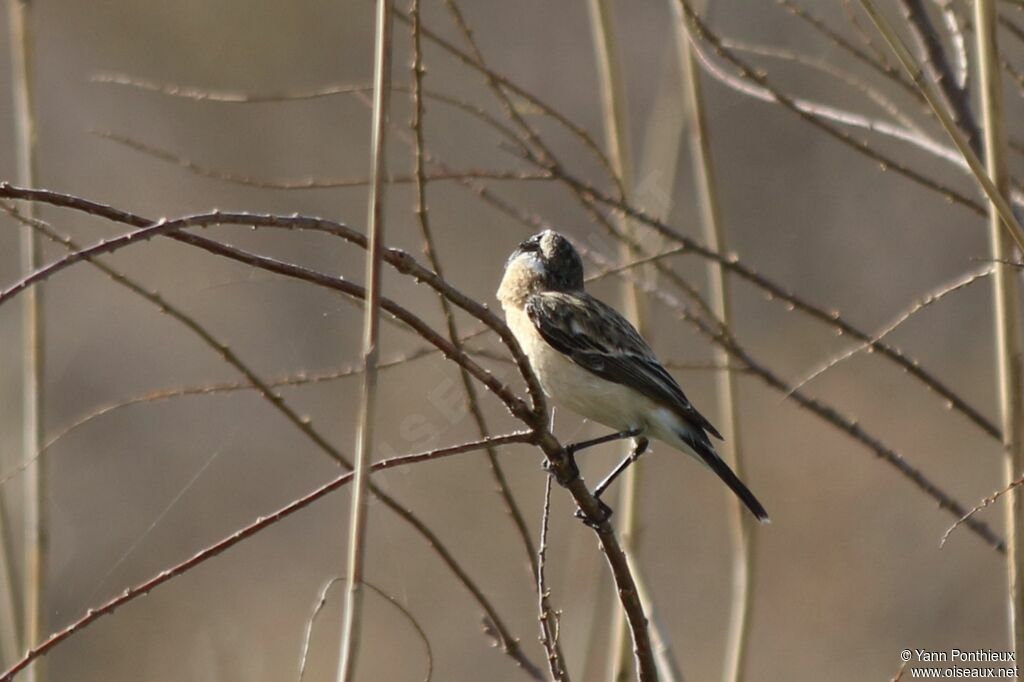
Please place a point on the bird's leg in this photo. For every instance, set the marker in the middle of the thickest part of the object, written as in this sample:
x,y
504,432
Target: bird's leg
x,y
606,511
641,448
573,448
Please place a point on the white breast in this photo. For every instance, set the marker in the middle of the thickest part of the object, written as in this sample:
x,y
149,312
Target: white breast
x,y
573,387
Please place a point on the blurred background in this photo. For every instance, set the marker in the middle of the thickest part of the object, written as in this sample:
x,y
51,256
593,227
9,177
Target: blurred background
x,y
850,572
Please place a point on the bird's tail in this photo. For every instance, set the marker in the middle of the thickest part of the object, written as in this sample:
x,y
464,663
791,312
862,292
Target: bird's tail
x,y
700,444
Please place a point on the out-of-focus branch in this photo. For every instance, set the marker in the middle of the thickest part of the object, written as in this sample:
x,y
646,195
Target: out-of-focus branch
x,y
620,153
35,538
352,624
744,547
999,202
933,56
1006,300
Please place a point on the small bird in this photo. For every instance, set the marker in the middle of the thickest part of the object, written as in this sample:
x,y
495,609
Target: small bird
x,y
591,360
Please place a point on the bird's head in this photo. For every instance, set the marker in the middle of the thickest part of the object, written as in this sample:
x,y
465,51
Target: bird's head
x,y
551,258
546,261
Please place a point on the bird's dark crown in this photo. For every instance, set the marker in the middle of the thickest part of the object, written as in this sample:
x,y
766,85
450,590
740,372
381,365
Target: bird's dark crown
x,y
561,267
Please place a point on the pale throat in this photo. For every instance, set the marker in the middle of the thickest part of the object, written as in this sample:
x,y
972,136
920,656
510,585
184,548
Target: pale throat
x,y
522,279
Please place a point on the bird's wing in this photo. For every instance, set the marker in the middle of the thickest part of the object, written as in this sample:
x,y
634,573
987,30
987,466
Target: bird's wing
x,y
597,338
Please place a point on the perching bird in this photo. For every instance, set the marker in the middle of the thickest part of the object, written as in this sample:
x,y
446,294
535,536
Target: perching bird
x,y
591,360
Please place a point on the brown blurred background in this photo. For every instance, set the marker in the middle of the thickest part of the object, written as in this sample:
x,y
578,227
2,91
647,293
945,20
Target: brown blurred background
x,y
850,571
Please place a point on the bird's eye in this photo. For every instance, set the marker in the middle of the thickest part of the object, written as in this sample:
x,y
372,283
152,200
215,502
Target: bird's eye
x,y
531,244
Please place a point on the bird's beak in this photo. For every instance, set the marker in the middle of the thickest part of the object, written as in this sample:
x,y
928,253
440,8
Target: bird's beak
x,y
520,251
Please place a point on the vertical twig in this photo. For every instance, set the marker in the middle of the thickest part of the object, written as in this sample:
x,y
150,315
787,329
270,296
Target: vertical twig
x,y
34,577
1007,305
430,251
546,615
375,224
616,129
719,293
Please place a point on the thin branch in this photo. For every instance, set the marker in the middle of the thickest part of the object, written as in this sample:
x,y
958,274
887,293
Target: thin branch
x,y
497,79
399,260
307,183
830,415
878,63
961,282
222,96
299,379
988,501
933,56
775,291
433,258
322,600
559,461
547,616
999,202
880,99
94,614
754,83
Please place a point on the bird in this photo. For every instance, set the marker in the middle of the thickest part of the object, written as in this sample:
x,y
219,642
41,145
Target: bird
x,y
589,359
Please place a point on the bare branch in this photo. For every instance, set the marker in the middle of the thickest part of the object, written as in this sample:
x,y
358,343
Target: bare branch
x,y
988,501
398,259
322,600
917,306
547,616
94,614
307,183
933,56
433,258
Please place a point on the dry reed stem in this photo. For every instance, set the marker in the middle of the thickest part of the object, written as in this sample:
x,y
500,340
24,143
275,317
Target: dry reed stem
x,y
35,539
1006,295
743,539
615,116
357,535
